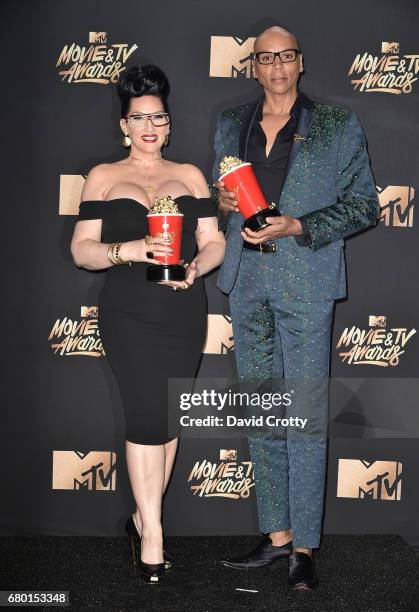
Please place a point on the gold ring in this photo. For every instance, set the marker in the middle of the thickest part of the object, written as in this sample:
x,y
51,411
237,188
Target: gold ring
x,y
148,239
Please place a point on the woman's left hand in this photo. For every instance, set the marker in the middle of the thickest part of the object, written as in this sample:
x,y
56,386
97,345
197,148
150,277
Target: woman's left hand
x,y
192,272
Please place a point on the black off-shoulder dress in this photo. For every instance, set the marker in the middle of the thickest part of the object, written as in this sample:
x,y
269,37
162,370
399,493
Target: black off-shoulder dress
x,y
150,333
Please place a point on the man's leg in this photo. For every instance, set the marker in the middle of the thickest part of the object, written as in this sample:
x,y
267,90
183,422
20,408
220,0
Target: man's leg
x,y
258,356
305,330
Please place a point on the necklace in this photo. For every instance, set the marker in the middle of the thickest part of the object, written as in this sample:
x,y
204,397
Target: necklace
x,y
146,160
148,186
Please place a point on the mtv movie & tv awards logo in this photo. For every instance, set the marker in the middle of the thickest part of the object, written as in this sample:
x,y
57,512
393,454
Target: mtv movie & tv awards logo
x,y
219,336
84,471
374,346
231,57
389,72
396,202
97,62
72,337
226,478
362,479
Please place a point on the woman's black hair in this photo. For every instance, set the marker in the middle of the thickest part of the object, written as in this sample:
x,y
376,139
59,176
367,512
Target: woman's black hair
x,y
135,82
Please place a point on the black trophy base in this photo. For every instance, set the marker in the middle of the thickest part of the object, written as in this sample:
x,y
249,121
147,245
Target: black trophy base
x,y
165,272
258,222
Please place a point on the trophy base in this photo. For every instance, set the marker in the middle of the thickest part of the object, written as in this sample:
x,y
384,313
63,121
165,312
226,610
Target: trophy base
x,y
258,222
165,272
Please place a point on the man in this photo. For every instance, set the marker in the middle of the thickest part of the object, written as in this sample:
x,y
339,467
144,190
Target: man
x,y
311,161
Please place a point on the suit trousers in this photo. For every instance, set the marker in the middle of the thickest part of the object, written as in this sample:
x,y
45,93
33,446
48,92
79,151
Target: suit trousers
x,y
286,343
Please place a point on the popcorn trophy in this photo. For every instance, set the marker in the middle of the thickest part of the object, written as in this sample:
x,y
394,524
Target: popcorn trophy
x,y
166,221
239,178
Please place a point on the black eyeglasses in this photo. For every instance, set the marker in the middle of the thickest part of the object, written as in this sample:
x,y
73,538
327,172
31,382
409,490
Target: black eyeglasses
x,y
268,57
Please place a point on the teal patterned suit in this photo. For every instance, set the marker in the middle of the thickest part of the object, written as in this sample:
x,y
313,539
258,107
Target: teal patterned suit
x,y
281,303
328,182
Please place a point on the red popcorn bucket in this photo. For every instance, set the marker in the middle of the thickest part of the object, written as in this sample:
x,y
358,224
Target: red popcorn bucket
x,y
252,204
167,226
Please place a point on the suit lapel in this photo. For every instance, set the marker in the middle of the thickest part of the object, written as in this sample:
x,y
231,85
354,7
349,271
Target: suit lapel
x,y
246,127
304,123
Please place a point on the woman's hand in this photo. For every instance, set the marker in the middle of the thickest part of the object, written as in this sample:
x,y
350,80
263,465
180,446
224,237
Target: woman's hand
x,y
192,272
139,250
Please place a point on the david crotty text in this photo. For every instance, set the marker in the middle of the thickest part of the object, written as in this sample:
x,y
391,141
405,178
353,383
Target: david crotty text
x,y
232,421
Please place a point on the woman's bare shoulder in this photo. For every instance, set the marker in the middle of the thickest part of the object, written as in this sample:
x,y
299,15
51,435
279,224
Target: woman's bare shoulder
x,y
196,179
184,168
191,169
96,181
106,168
100,171
103,174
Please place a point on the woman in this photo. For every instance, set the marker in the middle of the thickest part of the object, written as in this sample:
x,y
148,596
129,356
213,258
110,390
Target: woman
x,y
150,332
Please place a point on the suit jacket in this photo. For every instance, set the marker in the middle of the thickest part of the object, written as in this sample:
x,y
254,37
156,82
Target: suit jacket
x,y
328,184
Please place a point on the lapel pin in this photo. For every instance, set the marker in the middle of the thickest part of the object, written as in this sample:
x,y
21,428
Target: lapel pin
x,y
298,138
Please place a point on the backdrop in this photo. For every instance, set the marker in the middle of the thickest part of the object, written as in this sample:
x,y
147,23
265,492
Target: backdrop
x,y
62,435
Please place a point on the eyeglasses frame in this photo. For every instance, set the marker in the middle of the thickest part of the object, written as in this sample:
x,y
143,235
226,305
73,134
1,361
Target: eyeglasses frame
x,y
148,116
276,54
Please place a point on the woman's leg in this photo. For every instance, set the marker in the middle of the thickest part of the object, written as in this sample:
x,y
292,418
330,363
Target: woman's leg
x,y
171,448
150,467
146,466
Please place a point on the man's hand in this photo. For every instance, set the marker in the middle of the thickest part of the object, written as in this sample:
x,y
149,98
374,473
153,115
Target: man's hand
x,y
278,227
226,199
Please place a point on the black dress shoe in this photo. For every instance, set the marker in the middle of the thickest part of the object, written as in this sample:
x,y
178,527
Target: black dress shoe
x,y
301,572
264,554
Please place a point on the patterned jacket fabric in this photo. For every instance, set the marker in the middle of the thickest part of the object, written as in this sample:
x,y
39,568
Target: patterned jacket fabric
x,y
329,184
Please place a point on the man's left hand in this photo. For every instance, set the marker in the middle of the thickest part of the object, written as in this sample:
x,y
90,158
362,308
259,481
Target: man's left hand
x,y
278,227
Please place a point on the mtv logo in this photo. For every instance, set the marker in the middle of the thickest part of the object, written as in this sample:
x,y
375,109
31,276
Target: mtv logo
x,y
97,37
169,236
377,321
390,47
369,479
396,205
219,335
228,454
71,186
89,312
91,471
231,57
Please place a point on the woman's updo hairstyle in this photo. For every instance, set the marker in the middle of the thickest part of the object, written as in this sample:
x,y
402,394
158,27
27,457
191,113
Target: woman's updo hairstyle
x,y
146,81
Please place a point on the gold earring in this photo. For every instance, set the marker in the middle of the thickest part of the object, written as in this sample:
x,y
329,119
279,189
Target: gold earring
x,y
126,141
166,139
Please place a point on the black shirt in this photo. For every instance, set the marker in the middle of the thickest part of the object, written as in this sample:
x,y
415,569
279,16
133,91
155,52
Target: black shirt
x,y
271,171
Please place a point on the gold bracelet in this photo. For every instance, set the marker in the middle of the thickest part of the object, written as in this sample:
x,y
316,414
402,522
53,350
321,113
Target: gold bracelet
x,y
115,249
110,254
115,252
122,261
115,256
